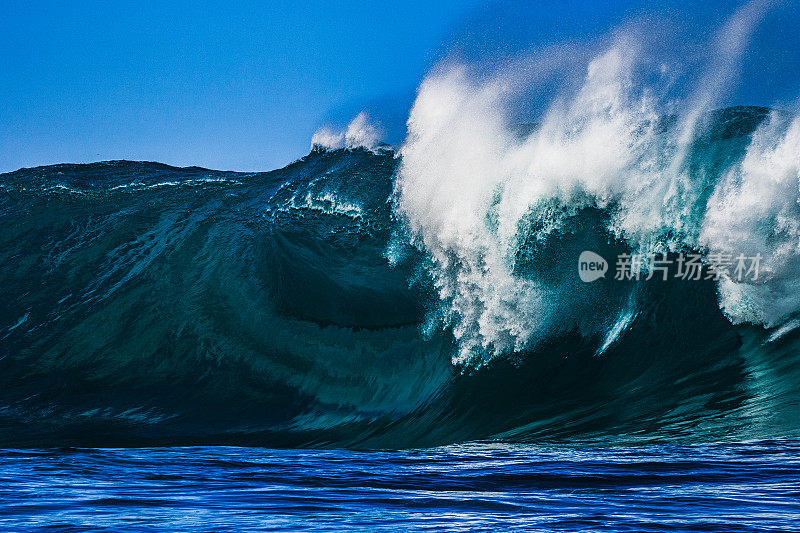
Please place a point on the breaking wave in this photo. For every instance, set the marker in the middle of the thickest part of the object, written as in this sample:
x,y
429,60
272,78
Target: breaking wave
x,y
369,297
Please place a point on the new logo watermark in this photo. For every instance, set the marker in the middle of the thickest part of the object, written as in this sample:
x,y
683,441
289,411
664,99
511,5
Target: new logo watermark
x,y
592,266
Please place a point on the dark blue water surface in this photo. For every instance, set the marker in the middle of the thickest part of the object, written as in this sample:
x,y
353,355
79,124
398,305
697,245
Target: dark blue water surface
x,y
752,486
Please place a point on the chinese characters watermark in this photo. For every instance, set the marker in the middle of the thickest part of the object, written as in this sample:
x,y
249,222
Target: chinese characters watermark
x,y
592,266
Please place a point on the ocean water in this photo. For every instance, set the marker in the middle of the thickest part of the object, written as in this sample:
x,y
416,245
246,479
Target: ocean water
x,y
327,305
751,486
398,339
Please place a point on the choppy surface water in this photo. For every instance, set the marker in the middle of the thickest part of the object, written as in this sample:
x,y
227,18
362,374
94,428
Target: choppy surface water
x,y
724,487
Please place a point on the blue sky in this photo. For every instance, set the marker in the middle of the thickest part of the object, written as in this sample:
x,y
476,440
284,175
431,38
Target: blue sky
x,y
239,85
243,85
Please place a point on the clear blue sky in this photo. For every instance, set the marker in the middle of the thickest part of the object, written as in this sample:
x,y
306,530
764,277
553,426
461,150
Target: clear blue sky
x,y
238,85
243,85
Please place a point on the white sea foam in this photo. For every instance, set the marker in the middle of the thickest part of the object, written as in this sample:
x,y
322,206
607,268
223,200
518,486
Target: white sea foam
x,y
468,181
755,209
360,133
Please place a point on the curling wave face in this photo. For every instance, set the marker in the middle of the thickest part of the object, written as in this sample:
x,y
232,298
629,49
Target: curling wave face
x,y
366,298
352,299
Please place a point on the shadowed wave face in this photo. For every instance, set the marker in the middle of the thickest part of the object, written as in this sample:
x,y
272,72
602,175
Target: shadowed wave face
x,y
355,299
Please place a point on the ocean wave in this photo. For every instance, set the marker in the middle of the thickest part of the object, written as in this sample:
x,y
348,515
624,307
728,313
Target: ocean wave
x,y
374,298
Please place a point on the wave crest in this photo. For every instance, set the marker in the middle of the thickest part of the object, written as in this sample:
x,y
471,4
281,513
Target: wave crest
x,y
474,193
